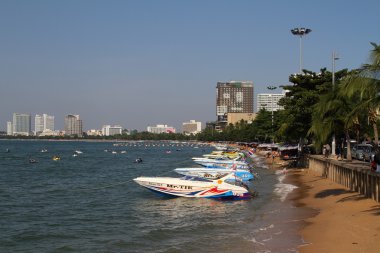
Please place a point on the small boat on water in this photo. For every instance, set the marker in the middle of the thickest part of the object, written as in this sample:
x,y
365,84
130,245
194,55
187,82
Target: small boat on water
x,y
193,187
78,152
215,173
56,158
138,160
31,160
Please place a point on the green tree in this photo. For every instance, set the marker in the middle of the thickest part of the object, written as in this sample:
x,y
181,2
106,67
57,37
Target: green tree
x,y
298,104
366,84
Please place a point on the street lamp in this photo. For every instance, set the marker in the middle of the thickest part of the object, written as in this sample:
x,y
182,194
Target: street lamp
x,y
271,107
334,58
300,32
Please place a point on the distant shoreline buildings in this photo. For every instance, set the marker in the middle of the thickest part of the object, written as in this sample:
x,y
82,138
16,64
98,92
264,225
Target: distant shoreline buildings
x,y
234,103
158,129
191,127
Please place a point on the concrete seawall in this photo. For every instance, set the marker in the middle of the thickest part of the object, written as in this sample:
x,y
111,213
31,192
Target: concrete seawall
x,y
355,175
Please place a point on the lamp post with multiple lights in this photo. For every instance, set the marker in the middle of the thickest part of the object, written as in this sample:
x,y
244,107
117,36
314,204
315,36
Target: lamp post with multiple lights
x,y
271,107
334,58
300,32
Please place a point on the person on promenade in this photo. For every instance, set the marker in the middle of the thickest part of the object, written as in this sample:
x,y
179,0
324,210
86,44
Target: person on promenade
x,y
377,159
327,150
324,151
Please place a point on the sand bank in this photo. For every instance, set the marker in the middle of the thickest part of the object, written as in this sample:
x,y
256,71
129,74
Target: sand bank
x,y
344,222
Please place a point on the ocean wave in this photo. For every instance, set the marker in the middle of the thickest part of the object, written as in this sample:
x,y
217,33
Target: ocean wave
x,y
281,189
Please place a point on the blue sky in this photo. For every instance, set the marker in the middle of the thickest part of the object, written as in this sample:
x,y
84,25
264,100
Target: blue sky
x,y
139,63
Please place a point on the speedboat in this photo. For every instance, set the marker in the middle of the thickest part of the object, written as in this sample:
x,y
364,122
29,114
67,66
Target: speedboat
x,y
223,165
215,173
193,187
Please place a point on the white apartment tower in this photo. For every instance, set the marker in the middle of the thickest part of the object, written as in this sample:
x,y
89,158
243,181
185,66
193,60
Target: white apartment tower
x,y
43,122
9,128
73,125
21,124
108,130
269,101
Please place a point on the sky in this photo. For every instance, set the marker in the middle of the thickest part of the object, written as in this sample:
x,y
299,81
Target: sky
x,y
146,62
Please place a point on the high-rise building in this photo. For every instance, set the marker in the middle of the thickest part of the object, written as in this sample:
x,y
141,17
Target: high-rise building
x,y
192,127
108,130
160,129
43,123
73,125
38,124
269,101
21,124
9,128
233,97
48,122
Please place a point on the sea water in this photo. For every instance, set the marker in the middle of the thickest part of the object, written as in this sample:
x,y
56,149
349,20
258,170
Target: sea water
x,y
89,203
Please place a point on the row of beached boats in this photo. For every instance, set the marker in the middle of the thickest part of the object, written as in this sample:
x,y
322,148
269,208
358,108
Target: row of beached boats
x,y
222,175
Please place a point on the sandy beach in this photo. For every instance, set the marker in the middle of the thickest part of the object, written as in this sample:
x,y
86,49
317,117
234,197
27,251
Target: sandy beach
x,y
344,222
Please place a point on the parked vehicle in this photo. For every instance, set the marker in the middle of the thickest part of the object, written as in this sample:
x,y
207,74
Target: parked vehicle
x,y
358,150
368,153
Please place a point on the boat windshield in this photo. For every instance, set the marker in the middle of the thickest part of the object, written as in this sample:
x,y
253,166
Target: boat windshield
x,y
190,178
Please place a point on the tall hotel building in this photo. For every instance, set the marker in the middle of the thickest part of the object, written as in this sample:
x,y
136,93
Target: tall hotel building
x,y
73,125
269,101
233,97
43,122
21,124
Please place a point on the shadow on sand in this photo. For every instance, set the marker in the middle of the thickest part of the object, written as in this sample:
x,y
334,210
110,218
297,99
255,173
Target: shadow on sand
x,y
375,210
331,192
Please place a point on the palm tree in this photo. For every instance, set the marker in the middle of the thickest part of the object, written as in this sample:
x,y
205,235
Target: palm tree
x,y
365,83
334,113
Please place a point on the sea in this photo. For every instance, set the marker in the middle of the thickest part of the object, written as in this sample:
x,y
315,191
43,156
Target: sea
x,y
90,203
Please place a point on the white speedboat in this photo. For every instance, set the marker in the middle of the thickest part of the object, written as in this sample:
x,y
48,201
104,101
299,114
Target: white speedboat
x,y
224,164
192,187
215,173
222,160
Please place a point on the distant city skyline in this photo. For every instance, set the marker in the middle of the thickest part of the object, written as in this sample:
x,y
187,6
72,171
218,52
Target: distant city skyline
x,y
140,63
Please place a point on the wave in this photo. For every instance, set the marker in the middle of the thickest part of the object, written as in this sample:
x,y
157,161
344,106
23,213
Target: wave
x,y
281,189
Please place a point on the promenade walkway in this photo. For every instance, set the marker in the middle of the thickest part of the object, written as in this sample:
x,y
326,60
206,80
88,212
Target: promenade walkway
x,y
355,175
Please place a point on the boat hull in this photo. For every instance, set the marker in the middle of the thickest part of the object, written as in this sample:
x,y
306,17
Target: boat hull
x,y
193,189
214,173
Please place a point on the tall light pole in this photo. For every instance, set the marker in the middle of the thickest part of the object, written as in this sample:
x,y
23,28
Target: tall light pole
x,y
300,32
334,58
271,107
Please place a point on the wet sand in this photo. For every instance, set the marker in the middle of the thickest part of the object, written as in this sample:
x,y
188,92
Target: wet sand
x,y
343,221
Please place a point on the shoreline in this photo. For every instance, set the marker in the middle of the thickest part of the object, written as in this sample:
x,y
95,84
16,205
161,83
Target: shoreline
x,y
334,219
340,220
